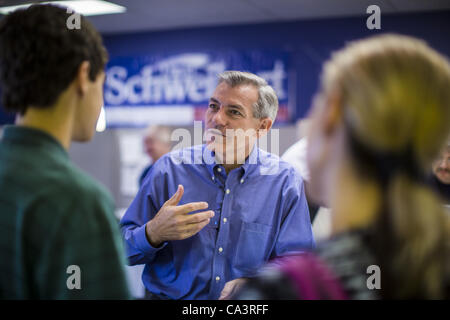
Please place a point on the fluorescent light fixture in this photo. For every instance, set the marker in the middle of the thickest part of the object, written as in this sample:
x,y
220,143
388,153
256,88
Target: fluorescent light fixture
x,y
84,7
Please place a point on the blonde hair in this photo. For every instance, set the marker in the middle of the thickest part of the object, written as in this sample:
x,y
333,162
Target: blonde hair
x,y
395,97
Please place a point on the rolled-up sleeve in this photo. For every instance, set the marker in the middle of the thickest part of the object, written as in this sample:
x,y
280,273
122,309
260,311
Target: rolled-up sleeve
x,y
141,210
295,232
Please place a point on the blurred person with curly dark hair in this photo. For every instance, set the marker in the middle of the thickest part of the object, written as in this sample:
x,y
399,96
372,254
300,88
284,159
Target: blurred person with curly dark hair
x,y
59,238
381,117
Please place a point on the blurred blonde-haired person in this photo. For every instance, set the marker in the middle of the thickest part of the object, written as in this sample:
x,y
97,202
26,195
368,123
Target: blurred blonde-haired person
x,y
380,118
440,178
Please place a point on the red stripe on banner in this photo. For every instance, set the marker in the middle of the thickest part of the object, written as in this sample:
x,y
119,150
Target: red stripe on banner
x,y
199,112
283,113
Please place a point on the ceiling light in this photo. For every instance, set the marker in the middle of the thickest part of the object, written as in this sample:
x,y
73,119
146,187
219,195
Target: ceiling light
x,y
84,7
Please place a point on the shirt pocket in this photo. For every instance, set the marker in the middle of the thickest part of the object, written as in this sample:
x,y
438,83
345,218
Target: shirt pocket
x,y
252,248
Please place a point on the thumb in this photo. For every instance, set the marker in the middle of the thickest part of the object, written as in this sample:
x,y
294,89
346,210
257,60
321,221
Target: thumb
x,y
175,199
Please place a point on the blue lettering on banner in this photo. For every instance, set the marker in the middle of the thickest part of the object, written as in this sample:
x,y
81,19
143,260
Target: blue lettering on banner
x,y
175,90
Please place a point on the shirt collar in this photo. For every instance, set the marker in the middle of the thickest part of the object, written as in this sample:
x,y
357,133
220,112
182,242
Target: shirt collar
x,y
209,160
252,162
33,137
249,166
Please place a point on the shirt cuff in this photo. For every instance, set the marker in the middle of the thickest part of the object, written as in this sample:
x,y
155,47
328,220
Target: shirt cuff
x,y
142,242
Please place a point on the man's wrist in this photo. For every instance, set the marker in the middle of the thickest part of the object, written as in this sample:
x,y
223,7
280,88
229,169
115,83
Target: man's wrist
x,y
151,236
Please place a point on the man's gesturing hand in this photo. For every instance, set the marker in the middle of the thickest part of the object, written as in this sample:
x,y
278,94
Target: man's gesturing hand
x,y
172,222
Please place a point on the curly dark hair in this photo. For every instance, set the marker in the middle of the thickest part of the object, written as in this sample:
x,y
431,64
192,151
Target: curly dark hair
x,y
40,55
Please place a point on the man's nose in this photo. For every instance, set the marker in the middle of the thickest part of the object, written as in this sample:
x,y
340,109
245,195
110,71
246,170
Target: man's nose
x,y
220,118
443,164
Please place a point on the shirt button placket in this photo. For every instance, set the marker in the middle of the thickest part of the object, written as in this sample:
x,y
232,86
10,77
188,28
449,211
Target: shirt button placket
x,y
221,235
219,262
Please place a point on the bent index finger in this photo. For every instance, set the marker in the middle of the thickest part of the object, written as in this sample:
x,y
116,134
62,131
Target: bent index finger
x,y
199,217
192,206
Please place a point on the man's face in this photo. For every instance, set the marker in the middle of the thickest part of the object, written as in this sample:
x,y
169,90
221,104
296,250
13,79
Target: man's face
x,y
231,109
149,146
155,148
323,143
441,167
89,110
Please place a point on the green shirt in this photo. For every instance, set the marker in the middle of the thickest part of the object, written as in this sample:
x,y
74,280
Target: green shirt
x,y
59,238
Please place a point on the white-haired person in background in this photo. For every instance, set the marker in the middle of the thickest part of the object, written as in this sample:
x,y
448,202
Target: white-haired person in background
x,y
156,144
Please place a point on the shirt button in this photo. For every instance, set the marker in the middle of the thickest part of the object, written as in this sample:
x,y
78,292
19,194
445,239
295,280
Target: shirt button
x,y
212,177
217,278
228,191
219,169
224,220
242,180
220,249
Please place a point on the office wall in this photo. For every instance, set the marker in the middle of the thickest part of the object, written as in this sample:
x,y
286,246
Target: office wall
x,y
309,43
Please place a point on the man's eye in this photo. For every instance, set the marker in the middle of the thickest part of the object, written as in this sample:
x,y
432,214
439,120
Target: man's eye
x,y
213,106
235,112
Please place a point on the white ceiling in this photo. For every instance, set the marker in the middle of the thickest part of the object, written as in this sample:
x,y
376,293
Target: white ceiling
x,y
147,15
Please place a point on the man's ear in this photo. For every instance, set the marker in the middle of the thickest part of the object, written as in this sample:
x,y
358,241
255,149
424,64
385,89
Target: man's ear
x,y
264,126
82,79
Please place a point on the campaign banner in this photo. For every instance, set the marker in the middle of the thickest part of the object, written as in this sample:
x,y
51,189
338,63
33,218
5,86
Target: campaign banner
x,y
175,90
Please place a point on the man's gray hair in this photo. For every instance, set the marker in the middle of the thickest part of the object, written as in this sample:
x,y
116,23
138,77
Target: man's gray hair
x,y
267,104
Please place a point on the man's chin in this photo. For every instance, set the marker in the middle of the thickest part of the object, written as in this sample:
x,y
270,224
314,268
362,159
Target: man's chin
x,y
211,145
445,179
83,137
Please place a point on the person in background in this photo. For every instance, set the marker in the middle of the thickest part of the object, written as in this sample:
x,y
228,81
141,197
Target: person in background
x,y
296,156
380,118
59,238
440,178
156,144
207,217
320,215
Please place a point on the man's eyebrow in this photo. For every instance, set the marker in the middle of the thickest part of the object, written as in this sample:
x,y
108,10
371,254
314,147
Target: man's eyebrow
x,y
238,107
214,100
235,106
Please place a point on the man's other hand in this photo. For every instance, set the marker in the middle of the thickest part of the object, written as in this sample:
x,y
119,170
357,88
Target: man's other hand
x,y
231,287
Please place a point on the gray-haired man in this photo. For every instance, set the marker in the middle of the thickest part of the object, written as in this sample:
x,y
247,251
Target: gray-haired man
x,y
200,241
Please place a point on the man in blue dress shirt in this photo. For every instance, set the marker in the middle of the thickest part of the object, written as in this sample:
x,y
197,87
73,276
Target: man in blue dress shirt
x,y
209,216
